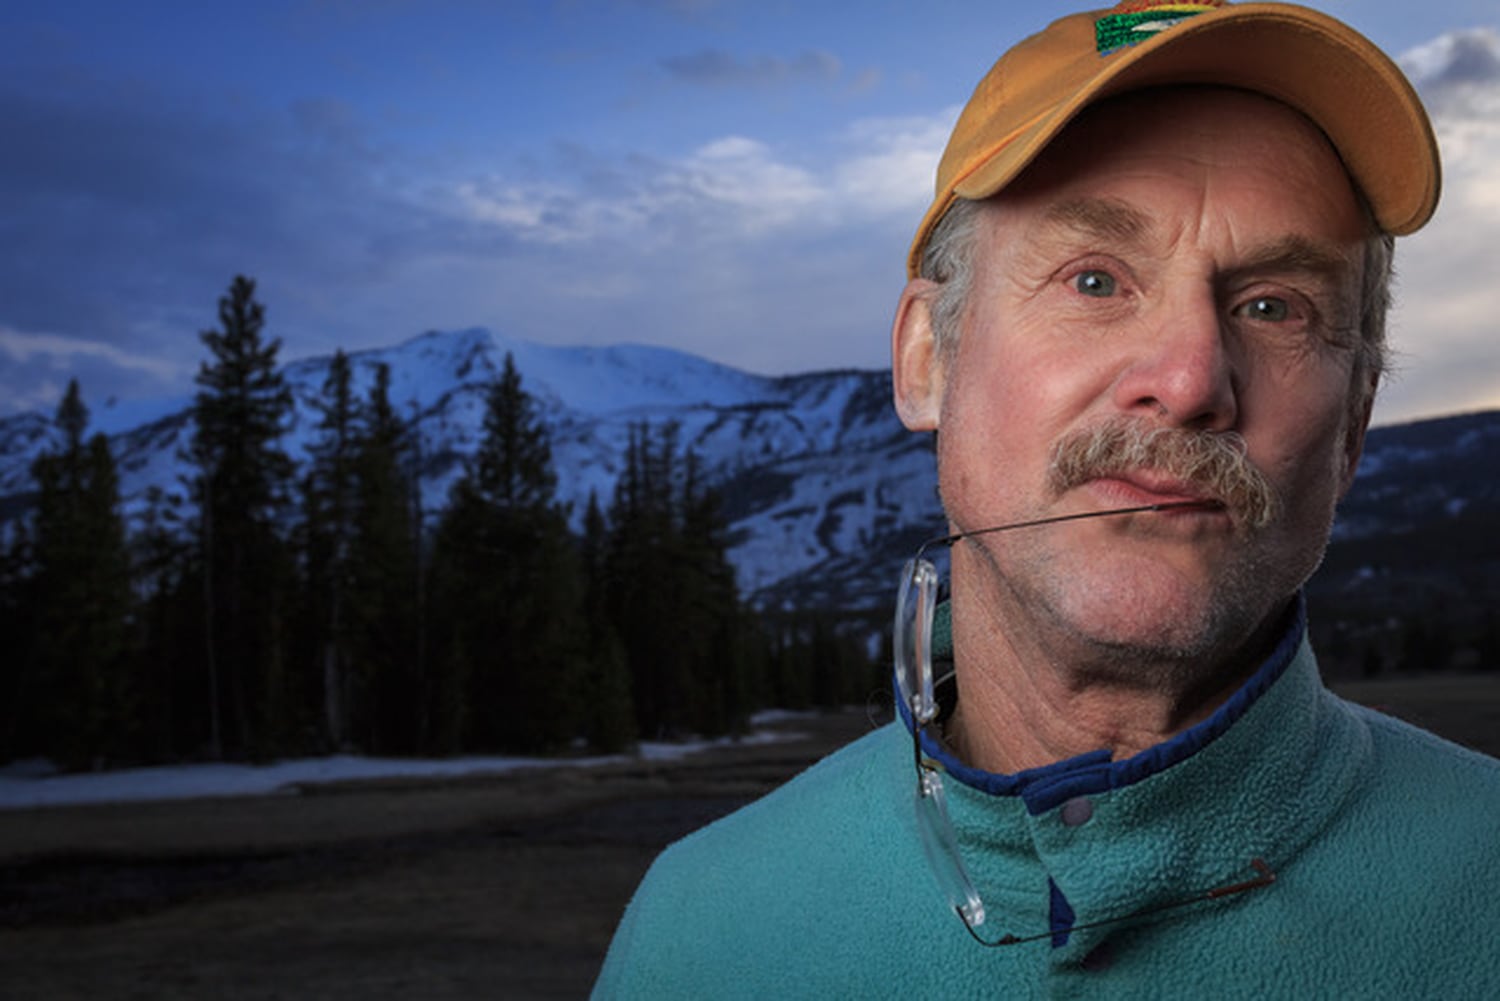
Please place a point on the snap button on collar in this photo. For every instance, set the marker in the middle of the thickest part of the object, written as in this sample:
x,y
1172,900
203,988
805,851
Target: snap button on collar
x,y
1077,811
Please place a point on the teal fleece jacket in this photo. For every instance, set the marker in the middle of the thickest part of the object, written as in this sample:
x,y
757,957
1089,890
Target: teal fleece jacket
x,y
1385,841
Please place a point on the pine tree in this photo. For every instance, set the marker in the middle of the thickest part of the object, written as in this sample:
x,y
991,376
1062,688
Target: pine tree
x,y
642,590
384,580
16,574
609,714
513,468
710,610
239,414
672,596
168,647
791,666
329,498
506,582
80,698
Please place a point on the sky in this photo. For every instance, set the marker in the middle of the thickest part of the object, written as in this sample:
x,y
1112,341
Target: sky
x,y
738,180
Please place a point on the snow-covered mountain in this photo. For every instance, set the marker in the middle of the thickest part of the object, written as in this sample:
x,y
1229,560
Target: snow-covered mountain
x,y
820,481
825,491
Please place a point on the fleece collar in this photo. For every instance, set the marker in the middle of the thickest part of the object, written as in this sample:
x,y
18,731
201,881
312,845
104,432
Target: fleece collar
x,y
1256,780
1048,787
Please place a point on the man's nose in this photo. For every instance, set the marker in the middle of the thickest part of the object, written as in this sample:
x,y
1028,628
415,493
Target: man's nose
x,y
1182,371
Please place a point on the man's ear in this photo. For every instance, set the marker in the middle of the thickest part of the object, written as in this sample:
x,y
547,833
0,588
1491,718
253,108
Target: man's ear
x,y
1354,435
916,362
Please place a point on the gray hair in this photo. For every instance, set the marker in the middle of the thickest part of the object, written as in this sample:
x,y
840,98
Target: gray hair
x,y
948,259
1373,360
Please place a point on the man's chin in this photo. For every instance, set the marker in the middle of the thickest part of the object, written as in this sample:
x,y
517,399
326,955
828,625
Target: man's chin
x,y
1166,618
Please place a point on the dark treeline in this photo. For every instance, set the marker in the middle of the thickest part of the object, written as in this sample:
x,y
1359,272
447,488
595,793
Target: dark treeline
x,y
265,613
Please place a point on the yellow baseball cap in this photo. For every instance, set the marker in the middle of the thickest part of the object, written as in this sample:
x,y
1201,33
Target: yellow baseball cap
x,y
1317,65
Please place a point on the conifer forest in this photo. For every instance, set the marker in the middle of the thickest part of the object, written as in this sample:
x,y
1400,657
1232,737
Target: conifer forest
x,y
273,613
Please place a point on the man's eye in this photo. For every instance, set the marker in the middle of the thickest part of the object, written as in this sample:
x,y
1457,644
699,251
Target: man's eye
x,y
1266,309
1100,284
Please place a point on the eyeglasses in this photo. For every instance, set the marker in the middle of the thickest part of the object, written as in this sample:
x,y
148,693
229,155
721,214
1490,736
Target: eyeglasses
x,y
916,604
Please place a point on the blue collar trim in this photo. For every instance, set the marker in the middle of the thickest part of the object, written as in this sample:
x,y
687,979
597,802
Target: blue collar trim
x,y
1048,787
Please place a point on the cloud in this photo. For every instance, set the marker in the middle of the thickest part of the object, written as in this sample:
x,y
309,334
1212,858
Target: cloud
x,y
734,189
38,366
717,68
744,178
891,163
1454,61
21,348
1447,322
735,250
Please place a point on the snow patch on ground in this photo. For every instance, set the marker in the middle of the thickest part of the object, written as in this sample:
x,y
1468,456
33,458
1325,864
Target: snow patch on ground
x,y
33,784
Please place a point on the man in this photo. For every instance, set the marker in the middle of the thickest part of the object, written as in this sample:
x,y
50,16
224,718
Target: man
x,y
1146,319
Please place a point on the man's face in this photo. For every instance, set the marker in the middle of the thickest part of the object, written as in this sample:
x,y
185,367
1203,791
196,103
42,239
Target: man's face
x,y
1185,260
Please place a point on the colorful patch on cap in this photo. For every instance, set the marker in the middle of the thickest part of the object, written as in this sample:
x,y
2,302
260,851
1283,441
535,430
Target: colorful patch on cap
x,y
1137,20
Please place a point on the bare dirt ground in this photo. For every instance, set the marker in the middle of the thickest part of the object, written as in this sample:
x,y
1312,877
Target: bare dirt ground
x,y
502,886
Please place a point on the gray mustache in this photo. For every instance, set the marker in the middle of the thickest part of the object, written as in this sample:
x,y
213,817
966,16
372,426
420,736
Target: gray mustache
x,y
1212,463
